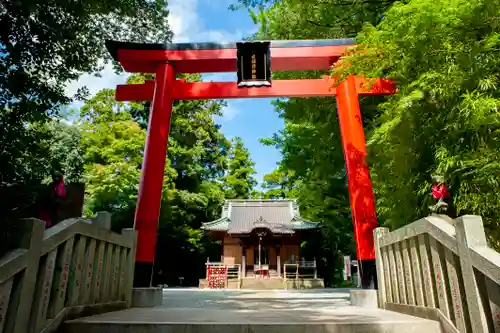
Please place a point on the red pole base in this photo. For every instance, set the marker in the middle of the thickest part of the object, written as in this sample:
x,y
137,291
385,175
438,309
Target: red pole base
x,y
368,272
143,274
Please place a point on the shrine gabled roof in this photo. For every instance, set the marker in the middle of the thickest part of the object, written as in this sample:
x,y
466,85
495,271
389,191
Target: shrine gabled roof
x,y
243,216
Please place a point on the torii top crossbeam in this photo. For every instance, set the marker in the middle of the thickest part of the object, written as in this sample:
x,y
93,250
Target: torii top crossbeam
x,y
301,55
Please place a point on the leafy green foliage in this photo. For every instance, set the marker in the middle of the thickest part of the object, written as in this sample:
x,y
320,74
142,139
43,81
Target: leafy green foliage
x,y
239,181
65,150
200,160
113,146
444,119
43,46
313,19
34,65
278,184
57,147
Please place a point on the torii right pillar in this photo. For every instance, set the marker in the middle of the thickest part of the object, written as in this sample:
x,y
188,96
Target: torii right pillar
x,y
358,176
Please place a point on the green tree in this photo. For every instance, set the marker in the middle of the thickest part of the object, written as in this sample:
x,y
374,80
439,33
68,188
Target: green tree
x,y
65,150
256,194
43,46
279,184
444,118
59,147
239,181
113,136
311,142
290,19
113,146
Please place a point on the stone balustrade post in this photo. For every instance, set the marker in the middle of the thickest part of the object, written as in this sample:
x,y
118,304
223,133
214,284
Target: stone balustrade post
x,y
469,234
129,280
103,220
378,233
22,295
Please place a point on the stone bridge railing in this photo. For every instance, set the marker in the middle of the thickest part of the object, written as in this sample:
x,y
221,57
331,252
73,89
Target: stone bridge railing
x,y
74,269
441,269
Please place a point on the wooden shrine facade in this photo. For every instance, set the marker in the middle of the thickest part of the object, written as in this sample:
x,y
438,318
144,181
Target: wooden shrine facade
x,y
257,233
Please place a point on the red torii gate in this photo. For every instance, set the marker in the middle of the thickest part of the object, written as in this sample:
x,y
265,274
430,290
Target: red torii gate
x,y
167,60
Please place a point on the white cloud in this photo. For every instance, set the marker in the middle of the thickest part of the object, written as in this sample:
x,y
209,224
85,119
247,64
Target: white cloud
x,y
233,107
108,79
187,25
231,110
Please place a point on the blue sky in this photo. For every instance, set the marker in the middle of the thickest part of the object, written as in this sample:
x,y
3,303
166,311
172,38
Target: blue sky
x,y
211,21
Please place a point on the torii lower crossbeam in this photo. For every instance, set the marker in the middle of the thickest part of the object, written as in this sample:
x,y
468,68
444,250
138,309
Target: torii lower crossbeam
x,y
168,60
224,90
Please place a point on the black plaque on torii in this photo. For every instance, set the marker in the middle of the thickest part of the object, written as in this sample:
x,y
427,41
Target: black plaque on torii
x,y
254,64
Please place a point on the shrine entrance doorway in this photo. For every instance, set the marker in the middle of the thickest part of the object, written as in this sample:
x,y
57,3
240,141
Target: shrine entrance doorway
x,y
254,62
264,256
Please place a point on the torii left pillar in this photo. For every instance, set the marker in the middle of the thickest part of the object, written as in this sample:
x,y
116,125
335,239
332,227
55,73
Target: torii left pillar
x,y
153,170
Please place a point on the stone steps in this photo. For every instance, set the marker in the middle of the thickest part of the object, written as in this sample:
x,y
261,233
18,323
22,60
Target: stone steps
x,y
272,274
224,311
261,284
331,327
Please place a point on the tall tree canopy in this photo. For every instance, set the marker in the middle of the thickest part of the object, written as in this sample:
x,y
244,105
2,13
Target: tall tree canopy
x,y
200,160
279,183
113,144
44,45
443,120
311,143
239,180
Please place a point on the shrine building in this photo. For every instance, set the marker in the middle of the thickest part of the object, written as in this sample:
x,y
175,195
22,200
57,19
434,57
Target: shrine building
x,y
261,236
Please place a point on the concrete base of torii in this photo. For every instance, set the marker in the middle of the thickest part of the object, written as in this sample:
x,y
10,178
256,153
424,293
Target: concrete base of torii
x,y
147,297
364,298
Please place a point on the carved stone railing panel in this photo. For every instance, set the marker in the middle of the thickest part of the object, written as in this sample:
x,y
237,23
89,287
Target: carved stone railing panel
x,y
417,272
387,274
426,270
5,290
76,267
393,277
76,271
441,269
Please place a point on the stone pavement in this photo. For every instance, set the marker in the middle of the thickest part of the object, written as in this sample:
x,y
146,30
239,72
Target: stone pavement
x,y
197,310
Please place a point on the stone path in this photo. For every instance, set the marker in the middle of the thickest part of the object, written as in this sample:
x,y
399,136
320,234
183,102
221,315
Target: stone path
x,y
285,307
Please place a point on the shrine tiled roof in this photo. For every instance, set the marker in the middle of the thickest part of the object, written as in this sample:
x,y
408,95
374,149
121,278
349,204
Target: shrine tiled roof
x,y
243,216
